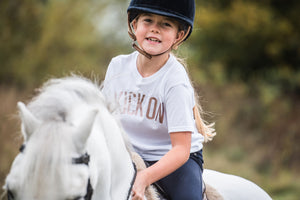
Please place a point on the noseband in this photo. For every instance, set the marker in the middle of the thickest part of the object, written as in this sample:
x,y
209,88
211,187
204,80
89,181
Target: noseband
x,y
84,159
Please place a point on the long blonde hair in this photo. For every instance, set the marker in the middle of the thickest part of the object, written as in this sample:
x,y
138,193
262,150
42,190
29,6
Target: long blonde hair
x,y
206,129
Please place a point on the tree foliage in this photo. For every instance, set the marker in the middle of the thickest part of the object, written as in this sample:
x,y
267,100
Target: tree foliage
x,y
256,43
42,38
252,40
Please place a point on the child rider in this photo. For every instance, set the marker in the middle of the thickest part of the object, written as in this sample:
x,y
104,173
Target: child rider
x,y
157,106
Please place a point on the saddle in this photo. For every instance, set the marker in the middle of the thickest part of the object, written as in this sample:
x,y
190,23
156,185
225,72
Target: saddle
x,y
154,192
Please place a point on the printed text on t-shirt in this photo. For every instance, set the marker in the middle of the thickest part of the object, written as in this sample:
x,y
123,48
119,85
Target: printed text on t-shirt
x,y
132,103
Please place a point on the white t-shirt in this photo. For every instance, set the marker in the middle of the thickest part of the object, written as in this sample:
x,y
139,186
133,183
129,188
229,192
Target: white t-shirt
x,y
153,107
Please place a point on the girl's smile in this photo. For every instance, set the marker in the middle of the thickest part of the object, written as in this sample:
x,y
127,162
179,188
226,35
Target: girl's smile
x,y
153,39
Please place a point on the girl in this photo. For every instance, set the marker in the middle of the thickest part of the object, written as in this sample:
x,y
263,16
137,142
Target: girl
x,y
156,99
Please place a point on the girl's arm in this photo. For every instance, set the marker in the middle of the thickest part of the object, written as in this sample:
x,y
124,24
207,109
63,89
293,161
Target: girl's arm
x,y
175,158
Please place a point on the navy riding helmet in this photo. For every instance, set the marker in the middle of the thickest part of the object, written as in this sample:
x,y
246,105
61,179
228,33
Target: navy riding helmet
x,y
181,10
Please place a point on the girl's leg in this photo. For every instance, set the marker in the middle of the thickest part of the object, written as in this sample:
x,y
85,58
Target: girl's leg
x,y
185,182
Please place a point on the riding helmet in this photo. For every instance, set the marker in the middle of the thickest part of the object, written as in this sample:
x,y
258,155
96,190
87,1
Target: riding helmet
x,y
182,10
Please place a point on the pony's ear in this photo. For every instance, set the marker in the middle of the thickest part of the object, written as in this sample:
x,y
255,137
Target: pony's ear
x,y
29,121
84,129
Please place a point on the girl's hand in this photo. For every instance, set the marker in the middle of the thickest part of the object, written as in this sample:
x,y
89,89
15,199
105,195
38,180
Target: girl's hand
x,y
139,186
175,158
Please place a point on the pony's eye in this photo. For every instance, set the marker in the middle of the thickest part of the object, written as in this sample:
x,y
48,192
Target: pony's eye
x,y
10,195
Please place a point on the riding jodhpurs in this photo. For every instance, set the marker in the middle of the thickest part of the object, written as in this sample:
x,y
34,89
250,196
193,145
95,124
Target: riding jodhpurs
x,y
186,182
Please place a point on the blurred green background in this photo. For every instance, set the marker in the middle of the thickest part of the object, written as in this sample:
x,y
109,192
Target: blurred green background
x,y
243,57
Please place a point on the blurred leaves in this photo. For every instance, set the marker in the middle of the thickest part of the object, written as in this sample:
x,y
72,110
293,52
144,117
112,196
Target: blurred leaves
x,y
254,40
39,38
255,44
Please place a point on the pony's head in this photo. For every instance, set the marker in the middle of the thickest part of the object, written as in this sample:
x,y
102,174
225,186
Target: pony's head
x,y
56,126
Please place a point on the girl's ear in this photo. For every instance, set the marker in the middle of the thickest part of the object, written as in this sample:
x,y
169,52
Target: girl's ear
x,y
180,35
178,39
134,24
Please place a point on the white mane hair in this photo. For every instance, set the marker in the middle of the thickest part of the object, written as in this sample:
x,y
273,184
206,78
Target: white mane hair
x,y
58,97
47,159
58,106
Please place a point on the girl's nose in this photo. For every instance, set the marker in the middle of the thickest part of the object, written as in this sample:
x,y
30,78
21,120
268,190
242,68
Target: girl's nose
x,y
155,28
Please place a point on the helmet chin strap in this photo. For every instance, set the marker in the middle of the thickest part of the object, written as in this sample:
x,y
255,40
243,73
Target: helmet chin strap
x,y
134,45
143,52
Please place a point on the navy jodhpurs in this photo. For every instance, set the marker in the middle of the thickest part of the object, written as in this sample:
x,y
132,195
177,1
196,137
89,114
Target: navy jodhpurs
x,y
185,182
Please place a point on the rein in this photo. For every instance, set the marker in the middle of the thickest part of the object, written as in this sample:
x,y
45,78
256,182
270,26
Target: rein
x,y
132,181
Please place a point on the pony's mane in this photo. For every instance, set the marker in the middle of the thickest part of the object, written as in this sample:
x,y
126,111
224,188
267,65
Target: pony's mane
x,y
58,97
48,147
47,158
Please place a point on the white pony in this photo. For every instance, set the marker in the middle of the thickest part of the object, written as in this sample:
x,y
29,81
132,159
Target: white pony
x,y
75,149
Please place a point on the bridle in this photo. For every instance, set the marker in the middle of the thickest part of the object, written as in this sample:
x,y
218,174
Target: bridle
x,y
83,159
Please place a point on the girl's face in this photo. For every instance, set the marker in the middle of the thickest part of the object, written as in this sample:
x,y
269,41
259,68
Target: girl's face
x,y
156,34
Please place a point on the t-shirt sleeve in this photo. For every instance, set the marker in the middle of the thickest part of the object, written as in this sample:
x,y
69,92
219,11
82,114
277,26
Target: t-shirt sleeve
x,y
179,109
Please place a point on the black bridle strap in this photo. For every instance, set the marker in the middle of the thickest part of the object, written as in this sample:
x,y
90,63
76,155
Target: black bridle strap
x,y
132,181
10,195
84,159
89,191
22,147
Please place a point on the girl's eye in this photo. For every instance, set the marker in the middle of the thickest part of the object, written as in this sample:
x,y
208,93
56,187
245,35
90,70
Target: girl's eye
x,y
167,24
147,20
